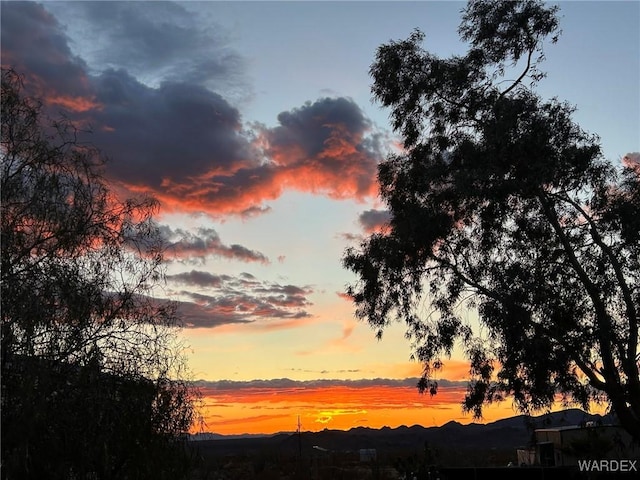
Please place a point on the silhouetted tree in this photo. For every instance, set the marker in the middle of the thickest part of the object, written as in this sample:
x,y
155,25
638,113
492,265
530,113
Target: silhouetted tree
x,y
93,378
501,205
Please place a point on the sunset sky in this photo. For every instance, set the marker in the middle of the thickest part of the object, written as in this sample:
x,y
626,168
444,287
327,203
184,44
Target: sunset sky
x,y
253,124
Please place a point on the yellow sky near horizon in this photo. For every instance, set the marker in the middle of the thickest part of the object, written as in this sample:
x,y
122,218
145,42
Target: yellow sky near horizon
x,y
271,410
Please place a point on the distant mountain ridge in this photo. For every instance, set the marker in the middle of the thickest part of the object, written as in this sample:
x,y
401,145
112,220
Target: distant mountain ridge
x,y
506,433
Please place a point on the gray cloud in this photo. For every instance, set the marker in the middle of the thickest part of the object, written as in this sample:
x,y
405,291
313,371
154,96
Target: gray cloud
x,y
207,315
168,134
351,237
158,43
372,220
34,43
205,242
312,126
326,142
242,299
286,383
198,279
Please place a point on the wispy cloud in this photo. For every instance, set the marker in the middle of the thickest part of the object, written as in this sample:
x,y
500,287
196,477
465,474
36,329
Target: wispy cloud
x,y
203,243
324,372
336,345
239,299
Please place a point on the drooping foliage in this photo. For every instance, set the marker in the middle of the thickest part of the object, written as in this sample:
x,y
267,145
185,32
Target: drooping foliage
x,y
502,206
93,378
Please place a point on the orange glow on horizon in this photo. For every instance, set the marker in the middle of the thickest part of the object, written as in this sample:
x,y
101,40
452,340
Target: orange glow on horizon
x,y
273,406
272,410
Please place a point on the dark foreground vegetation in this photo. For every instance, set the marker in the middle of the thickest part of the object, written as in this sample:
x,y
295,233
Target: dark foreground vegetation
x,y
93,381
452,451
274,458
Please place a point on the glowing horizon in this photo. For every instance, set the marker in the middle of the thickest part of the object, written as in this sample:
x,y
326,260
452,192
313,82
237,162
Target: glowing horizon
x,y
334,407
269,407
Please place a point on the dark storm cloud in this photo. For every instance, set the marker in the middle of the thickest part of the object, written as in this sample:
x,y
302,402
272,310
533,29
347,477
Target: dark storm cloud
x,y
173,132
151,135
325,144
311,127
241,299
186,147
325,147
165,41
34,43
181,141
202,243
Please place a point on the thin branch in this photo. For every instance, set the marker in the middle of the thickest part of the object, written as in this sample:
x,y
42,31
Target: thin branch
x,y
522,75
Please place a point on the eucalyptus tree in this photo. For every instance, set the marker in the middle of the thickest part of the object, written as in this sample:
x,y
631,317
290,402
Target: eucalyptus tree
x,y
502,205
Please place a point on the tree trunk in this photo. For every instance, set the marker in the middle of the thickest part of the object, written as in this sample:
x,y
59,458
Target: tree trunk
x,y
627,414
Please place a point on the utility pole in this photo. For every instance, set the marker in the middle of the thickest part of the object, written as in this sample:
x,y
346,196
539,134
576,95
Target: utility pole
x,y
299,431
299,438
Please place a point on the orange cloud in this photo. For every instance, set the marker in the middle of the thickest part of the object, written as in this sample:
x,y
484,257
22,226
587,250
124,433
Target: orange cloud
x,y
246,190
347,330
74,104
322,148
344,296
